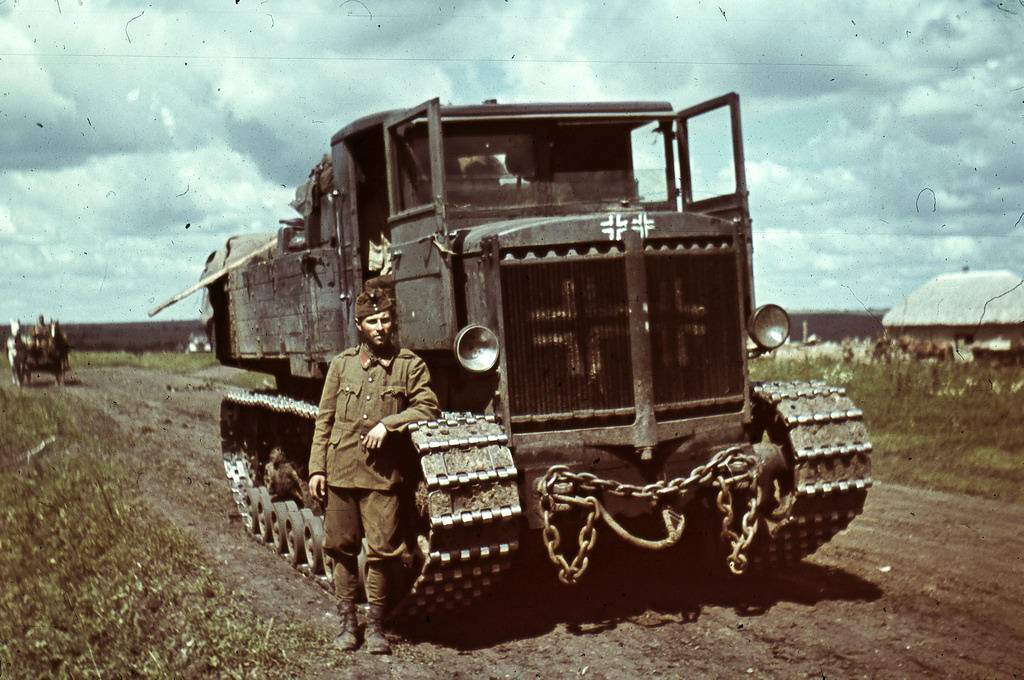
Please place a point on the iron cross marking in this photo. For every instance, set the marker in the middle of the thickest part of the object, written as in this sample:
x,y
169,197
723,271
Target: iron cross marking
x,y
617,223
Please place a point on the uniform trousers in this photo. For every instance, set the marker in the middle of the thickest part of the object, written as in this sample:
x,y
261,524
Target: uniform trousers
x,y
351,515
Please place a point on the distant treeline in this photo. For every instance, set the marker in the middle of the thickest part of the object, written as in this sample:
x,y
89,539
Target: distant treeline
x,y
137,336
174,336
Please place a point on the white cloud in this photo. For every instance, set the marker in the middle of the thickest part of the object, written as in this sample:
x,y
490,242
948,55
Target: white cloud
x,y
6,221
954,249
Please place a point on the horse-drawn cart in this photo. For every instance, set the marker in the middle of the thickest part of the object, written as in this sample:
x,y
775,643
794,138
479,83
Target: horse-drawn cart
x,y
44,349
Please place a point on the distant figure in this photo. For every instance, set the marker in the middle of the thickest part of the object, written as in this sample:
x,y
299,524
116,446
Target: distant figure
x,y
40,331
847,351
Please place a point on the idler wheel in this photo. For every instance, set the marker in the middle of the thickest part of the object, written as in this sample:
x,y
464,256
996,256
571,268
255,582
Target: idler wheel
x,y
313,537
279,517
264,510
296,537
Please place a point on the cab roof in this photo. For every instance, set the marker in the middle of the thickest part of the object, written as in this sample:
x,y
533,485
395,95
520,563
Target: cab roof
x,y
597,110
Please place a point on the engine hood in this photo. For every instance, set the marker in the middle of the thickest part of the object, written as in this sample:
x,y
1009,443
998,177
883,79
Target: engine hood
x,y
593,228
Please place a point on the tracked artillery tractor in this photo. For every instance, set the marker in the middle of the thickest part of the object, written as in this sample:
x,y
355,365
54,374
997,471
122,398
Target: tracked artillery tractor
x,y
578,279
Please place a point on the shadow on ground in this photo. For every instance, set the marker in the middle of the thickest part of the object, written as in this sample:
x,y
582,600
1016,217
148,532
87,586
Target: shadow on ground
x,y
647,588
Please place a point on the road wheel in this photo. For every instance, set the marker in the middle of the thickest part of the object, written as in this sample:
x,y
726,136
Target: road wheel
x,y
296,538
279,517
264,509
313,537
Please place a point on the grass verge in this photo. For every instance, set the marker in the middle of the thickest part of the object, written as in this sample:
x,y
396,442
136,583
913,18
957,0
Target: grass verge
x,y
95,586
938,425
175,362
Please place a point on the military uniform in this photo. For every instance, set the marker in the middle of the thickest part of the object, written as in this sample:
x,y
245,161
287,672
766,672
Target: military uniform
x,y
361,390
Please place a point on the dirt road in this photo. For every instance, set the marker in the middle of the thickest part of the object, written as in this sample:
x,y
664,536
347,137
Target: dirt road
x,y
922,585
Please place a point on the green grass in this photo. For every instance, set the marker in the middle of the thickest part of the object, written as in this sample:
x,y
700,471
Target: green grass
x,y
95,585
937,425
28,417
174,362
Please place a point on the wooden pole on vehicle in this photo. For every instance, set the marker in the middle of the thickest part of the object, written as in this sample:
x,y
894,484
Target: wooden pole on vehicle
x,y
213,277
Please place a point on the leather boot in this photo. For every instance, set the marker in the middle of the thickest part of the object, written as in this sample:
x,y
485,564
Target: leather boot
x,y
348,639
376,643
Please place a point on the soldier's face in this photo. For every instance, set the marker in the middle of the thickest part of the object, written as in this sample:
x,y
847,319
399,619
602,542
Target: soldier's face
x,y
376,329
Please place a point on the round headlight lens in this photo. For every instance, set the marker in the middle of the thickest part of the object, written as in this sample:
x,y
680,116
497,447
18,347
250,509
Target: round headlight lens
x,y
769,326
476,348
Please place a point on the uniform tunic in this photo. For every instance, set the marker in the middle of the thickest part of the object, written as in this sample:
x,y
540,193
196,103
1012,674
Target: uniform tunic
x,y
359,392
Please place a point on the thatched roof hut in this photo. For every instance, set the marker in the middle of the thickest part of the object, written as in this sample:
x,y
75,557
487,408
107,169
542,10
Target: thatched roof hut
x,y
967,307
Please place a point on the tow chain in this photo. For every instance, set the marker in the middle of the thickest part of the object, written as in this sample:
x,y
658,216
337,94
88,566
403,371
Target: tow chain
x,y
741,541
728,470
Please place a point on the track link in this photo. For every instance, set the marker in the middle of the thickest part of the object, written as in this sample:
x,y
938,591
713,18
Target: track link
x,y
824,435
468,498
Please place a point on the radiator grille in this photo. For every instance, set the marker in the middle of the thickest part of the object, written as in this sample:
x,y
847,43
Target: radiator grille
x,y
567,336
694,305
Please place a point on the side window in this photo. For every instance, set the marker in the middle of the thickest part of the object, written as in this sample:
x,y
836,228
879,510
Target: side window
x,y
712,172
412,155
649,161
710,141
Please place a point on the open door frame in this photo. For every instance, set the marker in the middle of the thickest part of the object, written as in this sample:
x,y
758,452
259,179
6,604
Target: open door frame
x,y
725,205
422,260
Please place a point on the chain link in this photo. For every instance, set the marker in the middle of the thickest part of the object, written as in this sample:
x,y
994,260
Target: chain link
x,y
728,470
738,541
570,574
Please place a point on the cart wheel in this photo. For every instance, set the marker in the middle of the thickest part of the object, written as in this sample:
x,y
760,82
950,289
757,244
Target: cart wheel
x,y
20,373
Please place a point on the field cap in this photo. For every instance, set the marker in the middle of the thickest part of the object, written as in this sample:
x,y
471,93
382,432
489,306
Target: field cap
x,y
372,302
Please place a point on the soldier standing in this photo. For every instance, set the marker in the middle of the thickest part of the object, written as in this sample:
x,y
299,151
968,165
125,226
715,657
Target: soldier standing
x,y
371,393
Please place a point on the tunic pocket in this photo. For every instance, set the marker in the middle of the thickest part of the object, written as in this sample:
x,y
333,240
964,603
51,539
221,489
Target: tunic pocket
x,y
348,402
393,399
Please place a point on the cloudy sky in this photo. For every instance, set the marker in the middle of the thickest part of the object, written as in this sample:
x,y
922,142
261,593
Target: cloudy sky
x,y
884,141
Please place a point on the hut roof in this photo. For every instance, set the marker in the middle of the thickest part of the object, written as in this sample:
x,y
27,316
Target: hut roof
x,y
962,299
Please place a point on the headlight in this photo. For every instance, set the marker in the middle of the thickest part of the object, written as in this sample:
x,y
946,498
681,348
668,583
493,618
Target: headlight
x,y
769,326
476,348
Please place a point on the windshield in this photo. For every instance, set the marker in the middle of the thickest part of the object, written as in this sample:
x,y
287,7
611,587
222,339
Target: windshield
x,y
525,163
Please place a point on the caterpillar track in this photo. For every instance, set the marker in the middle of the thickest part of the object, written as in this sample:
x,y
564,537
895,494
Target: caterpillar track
x,y
467,500
823,434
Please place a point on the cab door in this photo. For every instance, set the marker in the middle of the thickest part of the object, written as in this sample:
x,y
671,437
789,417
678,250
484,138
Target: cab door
x,y
714,182
711,158
421,256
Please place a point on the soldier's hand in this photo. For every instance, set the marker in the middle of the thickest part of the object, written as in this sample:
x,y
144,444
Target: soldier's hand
x,y
318,486
375,437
